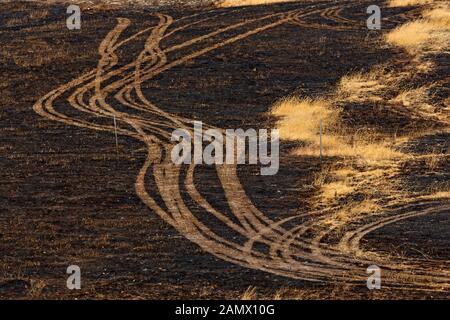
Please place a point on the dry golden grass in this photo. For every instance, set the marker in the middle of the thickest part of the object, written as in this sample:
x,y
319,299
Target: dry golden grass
x,y
370,184
344,182
333,291
300,118
419,102
404,3
415,35
345,173
433,161
249,294
36,287
439,13
39,14
357,209
237,3
336,190
375,152
321,177
351,211
447,103
361,87
364,207
15,22
339,147
279,294
424,66
417,98
376,179
430,33
437,195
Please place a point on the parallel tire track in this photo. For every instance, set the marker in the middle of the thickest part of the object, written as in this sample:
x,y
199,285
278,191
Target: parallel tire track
x,y
291,253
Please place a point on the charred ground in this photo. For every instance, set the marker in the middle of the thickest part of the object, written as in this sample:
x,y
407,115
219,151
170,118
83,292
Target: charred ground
x,y
68,198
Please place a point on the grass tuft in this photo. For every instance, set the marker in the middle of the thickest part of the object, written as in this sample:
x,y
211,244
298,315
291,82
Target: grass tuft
x,y
299,119
238,3
405,3
432,33
249,294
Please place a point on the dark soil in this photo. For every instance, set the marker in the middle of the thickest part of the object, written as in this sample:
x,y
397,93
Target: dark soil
x,y
66,197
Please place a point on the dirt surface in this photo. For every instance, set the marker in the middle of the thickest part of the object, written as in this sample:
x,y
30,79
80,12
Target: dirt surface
x,y
140,227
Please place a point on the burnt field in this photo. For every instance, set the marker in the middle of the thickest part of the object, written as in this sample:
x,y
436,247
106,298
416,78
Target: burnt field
x,y
141,227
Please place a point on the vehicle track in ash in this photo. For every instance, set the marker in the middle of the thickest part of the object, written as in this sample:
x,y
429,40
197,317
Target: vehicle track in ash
x,y
114,90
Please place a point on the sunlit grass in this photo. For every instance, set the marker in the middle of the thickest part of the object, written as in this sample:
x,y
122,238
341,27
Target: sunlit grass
x,y
432,33
237,3
404,3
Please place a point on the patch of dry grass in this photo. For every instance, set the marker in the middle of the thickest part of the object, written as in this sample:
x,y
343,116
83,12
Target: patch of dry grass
x,y
415,35
351,211
344,173
334,190
405,3
424,66
438,195
433,161
361,87
439,13
249,294
299,119
338,146
38,14
419,101
417,98
432,33
345,183
238,3
35,290
321,177
376,179
410,97
437,191
357,209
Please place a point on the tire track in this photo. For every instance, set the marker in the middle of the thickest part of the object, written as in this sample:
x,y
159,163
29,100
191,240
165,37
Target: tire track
x,y
290,253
